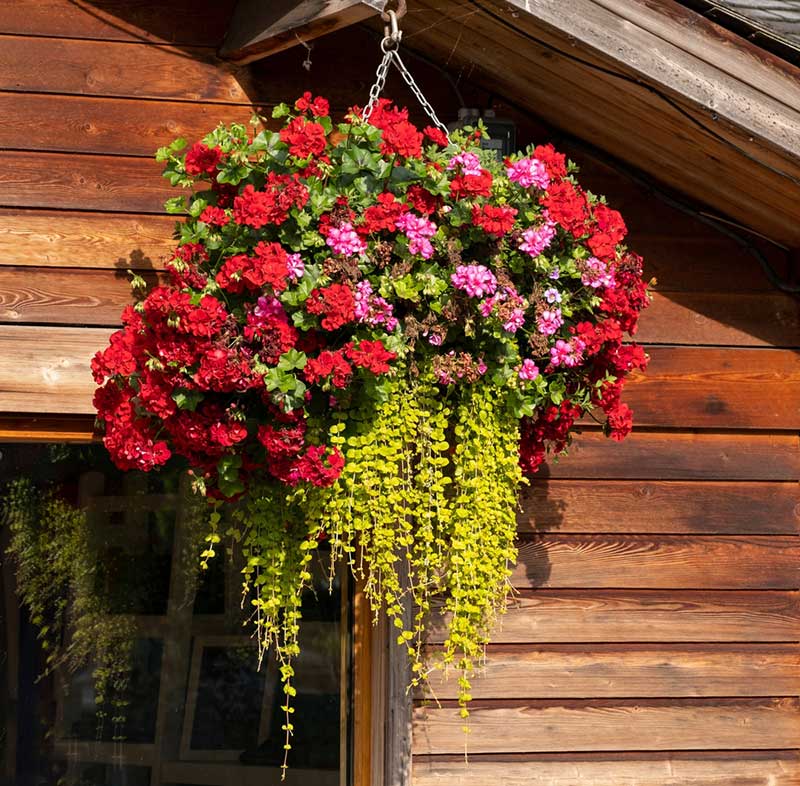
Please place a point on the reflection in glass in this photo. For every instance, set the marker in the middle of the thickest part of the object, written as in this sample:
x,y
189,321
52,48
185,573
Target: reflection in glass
x,y
184,700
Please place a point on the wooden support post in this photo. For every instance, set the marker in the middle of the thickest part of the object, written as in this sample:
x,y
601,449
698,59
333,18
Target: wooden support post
x,y
362,688
260,29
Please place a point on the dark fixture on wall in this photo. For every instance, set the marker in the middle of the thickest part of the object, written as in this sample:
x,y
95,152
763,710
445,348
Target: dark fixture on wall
x,y
502,132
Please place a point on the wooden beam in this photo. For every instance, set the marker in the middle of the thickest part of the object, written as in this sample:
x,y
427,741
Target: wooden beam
x,y
260,29
667,45
603,725
47,428
362,688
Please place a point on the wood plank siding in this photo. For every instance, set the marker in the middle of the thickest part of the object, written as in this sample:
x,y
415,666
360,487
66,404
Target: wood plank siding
x,y
653,639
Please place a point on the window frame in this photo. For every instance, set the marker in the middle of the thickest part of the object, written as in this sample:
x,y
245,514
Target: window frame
x,y
368,730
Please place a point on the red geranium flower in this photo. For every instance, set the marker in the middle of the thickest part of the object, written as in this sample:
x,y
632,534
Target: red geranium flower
x,y
554,162
202,160
403,139
336,303
462,186
319,107
494,220
329,364
436,135
567,206
422,200
305,138
382,215
371,355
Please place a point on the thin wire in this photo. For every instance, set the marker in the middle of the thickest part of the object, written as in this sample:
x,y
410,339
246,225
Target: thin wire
x,y
308,48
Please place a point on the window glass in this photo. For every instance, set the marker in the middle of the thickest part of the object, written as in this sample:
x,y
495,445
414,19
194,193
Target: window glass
x,y
123,663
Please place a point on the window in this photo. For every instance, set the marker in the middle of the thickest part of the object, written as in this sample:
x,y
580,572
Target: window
x,y
124,663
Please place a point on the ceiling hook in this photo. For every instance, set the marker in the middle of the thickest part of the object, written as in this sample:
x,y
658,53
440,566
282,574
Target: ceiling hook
x,y
400,11
391,32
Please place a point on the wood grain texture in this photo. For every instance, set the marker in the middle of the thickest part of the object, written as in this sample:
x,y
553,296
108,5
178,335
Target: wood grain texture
x,y
672,392
48,369
93,240
125,70
86,182
67,297
192,22
362,682
659,562
681,252
679,456
256,31
637,671
696,259
713,44
78,124
663,322
47,429
693,387
660,507
658,616
734,319
596,725
739,768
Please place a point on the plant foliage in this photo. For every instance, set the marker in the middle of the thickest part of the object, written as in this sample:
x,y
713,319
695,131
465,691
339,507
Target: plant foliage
x,y
369,334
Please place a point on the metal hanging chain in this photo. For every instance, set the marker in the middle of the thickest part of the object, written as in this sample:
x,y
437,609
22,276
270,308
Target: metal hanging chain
x,y
377,87
415,89
390,46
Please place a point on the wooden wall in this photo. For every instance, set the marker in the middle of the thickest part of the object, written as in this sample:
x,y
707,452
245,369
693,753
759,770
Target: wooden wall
x,y
654,639
88,91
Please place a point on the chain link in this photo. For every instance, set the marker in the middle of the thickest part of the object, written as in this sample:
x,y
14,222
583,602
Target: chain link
x,y
416,90
389,45
377,88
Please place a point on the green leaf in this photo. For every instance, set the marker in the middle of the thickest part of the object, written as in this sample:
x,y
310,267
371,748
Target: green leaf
x,y
175,205
229,482
303,320
407,287
291,360
233,173
434,285
266,140
356,159
367,184
401,174
187,399
197,207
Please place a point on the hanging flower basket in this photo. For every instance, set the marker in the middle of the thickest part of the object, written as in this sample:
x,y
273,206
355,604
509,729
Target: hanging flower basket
x,y
369,336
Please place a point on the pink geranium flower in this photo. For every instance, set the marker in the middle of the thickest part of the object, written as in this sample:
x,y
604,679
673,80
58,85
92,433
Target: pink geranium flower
x,y
536,239
529,172
549,321
475,280
528,370
345,240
